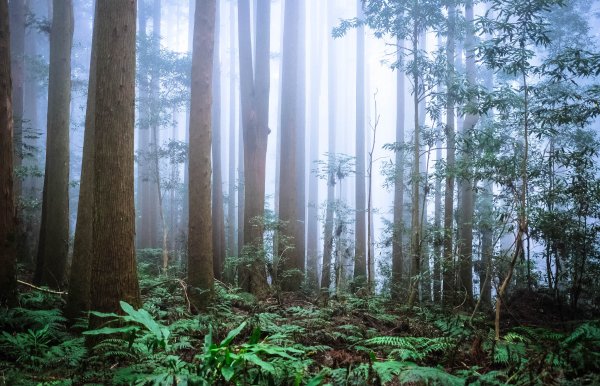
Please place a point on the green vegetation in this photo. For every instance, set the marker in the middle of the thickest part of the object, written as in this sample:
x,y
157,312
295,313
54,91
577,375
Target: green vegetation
x,y
292,341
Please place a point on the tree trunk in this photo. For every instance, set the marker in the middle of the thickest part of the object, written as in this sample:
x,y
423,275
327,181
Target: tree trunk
x,y
54,235
8,213
254,89
200,248
231,211
416,177
360,247
32,184
466,204
147,229
448,263
79,282
300,236
292,263
312,233
17,64
398,231
218,220
329,211
114,273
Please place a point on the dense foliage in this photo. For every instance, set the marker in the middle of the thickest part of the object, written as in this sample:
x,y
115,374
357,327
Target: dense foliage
x,y
349,340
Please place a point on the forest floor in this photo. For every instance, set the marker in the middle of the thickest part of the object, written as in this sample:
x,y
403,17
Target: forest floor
x,y
297,340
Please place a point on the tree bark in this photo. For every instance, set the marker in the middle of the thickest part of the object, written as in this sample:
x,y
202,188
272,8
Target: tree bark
x,y
292,263
114,273
360,247
200,248
300,236
54,235
398,231
17,64
8,213
312,235
232,249
79,282
448,264
416,180
466,204
254,89
218,221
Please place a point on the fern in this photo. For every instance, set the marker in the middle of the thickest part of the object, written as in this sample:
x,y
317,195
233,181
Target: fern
x,y
412,348
428,376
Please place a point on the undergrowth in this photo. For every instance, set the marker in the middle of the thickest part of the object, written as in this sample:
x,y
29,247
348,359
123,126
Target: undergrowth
x,y
350,341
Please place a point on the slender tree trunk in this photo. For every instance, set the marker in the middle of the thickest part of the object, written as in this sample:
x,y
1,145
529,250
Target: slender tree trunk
x,y
218,220
291,262
466,204
300,236
231,212
360,247
398,231
8,212
17,64
329,211
448,263
146,238
416,177
312,235
114,273
254,90
54,236
200,248
32,184
79,279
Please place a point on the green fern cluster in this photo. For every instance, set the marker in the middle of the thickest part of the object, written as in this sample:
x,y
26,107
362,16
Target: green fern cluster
x,y
408,348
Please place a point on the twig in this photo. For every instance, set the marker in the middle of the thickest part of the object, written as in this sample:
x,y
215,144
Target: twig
x,y
42,289
187,299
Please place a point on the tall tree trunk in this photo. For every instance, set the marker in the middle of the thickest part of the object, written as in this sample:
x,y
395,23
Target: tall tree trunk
x,y
437,211
360,247
312,232
32,184
300,236
254,89
291,262
398,231
54,235
17,64
329,211
79,278
465,183
218,221
416,180
114,273
8,212
200,253
231,212
448,264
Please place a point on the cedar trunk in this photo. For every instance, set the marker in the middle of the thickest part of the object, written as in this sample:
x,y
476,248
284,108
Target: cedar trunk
x,y
254,89
114,274
292,262
8,218
54,235
79,281
200,248
360,255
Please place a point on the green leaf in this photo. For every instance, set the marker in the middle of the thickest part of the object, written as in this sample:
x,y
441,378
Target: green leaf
x,y
227,372
232,334
266,366
112,330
